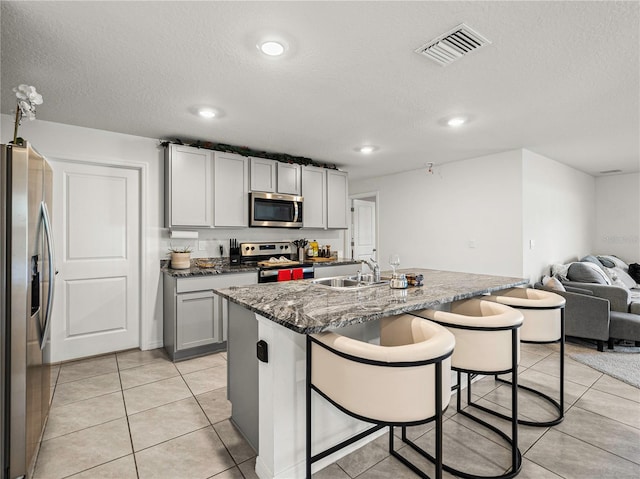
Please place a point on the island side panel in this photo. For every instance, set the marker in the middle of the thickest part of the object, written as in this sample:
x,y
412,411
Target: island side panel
x,y
242,369
282,408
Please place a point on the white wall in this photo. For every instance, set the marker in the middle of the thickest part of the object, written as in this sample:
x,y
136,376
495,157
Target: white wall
x,y
65,142
499,203
56,140
432,220
618,216
559,205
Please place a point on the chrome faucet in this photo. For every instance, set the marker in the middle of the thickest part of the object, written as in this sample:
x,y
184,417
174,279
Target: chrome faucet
x,y
371,263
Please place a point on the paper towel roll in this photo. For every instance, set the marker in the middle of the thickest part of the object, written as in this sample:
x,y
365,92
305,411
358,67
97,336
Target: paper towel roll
x,y
183,234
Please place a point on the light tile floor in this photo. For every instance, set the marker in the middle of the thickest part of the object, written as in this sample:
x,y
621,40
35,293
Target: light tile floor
x,y
135,414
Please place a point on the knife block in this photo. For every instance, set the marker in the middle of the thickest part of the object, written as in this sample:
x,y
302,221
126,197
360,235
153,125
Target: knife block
x,y
234,254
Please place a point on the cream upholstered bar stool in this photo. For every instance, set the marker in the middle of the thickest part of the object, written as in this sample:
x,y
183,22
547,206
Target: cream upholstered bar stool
x,y
487,342
404,381
543,313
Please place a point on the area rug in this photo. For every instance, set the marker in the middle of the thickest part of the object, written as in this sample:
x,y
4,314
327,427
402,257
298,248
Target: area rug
x,y
622,363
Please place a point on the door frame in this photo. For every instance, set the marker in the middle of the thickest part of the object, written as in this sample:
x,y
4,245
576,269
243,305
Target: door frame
x,y
375,195
144,326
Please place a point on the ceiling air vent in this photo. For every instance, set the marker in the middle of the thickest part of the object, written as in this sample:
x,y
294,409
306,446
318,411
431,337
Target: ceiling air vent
x,y
610,172
453,45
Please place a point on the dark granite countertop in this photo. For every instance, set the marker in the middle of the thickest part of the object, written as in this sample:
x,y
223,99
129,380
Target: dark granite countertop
x,y
308,308
221,266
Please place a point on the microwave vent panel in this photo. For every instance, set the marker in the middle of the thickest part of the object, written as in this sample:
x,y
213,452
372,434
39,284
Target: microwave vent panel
x,y
453,45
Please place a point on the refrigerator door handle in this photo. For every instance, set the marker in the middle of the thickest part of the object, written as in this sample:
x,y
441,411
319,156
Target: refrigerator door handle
x,y
46,221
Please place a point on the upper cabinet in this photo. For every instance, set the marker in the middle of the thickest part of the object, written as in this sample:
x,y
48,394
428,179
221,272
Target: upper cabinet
x,y
205,189
337,199
289,179
263,175
314,191
273,176
188,186
210,189
231,190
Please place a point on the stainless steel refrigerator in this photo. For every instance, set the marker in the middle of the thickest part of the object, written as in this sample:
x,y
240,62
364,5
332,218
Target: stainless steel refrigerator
x,y
26,295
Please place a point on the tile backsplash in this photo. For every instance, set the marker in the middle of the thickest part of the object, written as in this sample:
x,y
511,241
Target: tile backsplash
x,y
208,243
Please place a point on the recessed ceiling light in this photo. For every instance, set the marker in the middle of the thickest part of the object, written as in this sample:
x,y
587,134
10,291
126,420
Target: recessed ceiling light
x,y
207,113
272,48
367,149
456,121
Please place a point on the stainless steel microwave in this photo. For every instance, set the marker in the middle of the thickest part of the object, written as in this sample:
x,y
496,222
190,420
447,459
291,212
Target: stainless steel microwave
x,y
274,210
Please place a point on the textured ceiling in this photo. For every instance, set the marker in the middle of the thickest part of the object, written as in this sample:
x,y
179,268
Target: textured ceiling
x,y
561,78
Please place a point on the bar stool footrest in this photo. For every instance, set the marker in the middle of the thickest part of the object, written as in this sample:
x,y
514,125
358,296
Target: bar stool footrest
x,y
523,422
514,472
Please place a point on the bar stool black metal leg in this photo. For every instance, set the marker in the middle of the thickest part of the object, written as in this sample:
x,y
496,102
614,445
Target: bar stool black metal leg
x,y
516,456
559,405
308,411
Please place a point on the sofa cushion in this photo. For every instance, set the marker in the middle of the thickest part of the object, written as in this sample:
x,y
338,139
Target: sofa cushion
x,y
607,263
552,283
623,276
592,259
615,260
585,272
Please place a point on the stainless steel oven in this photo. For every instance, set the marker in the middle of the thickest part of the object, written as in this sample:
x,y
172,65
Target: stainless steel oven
x,y
274,261
274,210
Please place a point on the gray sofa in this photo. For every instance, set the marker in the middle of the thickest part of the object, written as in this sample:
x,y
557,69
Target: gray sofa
x,y
585,315
603,301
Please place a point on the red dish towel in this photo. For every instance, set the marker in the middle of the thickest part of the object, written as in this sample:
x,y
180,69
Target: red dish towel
x,y
284,275
297,273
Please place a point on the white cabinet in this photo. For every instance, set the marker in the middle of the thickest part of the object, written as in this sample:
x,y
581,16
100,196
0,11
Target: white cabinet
x,y
288,179
273,176
199,319
188,187
337,199
314,191
210,189
231,190
263,174
195,317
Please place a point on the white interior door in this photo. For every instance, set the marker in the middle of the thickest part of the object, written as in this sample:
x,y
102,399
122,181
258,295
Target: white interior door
x,y
364,229
97,231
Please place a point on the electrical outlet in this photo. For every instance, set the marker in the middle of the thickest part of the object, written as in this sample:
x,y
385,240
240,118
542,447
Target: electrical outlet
x,y
472,243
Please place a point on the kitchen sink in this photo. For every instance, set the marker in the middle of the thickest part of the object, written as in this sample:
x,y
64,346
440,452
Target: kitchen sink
x,y
346,283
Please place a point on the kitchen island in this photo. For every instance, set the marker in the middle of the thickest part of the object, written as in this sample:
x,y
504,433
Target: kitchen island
x,y
268,395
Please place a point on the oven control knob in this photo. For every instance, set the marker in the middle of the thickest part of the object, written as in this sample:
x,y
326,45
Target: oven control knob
x,y
252,248
246,248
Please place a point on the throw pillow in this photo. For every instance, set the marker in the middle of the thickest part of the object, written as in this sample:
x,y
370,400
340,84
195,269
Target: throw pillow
x,y
607,263
553,283
616,261
592,259
587,273
623,276
560,271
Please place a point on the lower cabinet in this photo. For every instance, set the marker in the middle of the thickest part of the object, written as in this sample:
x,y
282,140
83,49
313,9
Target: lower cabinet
x,y
195,318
